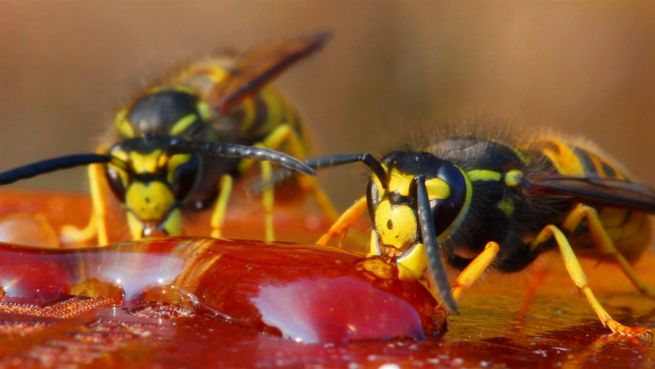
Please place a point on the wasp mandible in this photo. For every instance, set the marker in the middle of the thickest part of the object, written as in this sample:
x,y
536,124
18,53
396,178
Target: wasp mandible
x,y
478,202
161,158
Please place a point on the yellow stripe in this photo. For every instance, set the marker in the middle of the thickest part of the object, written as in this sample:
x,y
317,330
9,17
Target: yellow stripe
x,y
513,178
182,124
205,111
120,155
145,163
437,188
174,163
484,175
123,125
185,89
598,165
399,182
506,205
216,74
564,159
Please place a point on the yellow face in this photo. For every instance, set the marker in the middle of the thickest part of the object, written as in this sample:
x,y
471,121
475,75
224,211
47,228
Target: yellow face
x,y
151,209
395,215
151,191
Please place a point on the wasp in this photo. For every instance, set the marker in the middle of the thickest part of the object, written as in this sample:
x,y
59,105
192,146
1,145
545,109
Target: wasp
x,y
476,202
165,142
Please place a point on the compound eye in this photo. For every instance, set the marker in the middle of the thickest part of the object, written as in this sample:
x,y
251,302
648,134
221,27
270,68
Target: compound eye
x,y
118,180
445,210
451,175
184,177
443,214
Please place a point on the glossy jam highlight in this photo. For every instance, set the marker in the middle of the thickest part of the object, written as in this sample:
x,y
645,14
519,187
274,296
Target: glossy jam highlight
x,y
304,293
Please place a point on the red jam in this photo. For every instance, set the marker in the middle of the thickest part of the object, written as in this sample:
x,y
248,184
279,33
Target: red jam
x,y
305,293
198,303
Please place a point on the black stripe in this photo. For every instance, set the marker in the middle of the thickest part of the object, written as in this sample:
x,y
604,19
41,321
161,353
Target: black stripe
x,y
261,115
627,219
609,170
587,162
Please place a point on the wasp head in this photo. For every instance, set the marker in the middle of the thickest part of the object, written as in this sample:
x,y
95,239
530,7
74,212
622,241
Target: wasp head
x,y
393,205
152,183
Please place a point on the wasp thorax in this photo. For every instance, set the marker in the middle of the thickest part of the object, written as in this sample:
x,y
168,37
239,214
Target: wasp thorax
x,y
168,111
393,207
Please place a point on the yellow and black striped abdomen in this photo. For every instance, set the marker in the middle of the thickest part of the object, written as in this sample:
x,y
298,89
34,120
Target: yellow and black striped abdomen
x,y
630,230
256,116
264,112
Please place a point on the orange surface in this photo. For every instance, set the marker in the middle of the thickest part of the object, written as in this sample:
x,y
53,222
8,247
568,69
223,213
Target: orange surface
x,y
133,323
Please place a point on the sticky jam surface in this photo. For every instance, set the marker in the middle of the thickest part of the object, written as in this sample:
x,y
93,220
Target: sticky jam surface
x,y
200,303
304,293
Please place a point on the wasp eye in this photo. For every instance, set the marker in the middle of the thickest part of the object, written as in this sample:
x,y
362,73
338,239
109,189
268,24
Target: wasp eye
x,y
444,211
117,180
184,178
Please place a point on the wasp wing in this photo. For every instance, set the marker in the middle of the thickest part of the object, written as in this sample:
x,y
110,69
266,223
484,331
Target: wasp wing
x,y
597,191
259,66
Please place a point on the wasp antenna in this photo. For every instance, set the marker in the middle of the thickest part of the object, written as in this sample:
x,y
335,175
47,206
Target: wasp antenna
x,y
326,162
376,167
51,165
429,237
340,159
242,152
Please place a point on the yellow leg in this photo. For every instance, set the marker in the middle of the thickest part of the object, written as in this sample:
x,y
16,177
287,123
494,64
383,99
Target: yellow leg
x,y
310,184
285,134
98,223
345,221
281,135
580,279
268,199
603,242
475,269
220,207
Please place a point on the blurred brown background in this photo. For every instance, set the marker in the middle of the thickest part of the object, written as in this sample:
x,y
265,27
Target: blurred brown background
x,y
585,67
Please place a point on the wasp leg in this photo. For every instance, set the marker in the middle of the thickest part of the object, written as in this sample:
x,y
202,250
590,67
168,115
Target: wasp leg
x,y
475,269
580,279
285,134
604,243
346,219
466,278
268,200
220,207
98,223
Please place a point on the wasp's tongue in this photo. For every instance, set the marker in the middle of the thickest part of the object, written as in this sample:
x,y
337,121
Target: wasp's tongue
x,y
153,230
